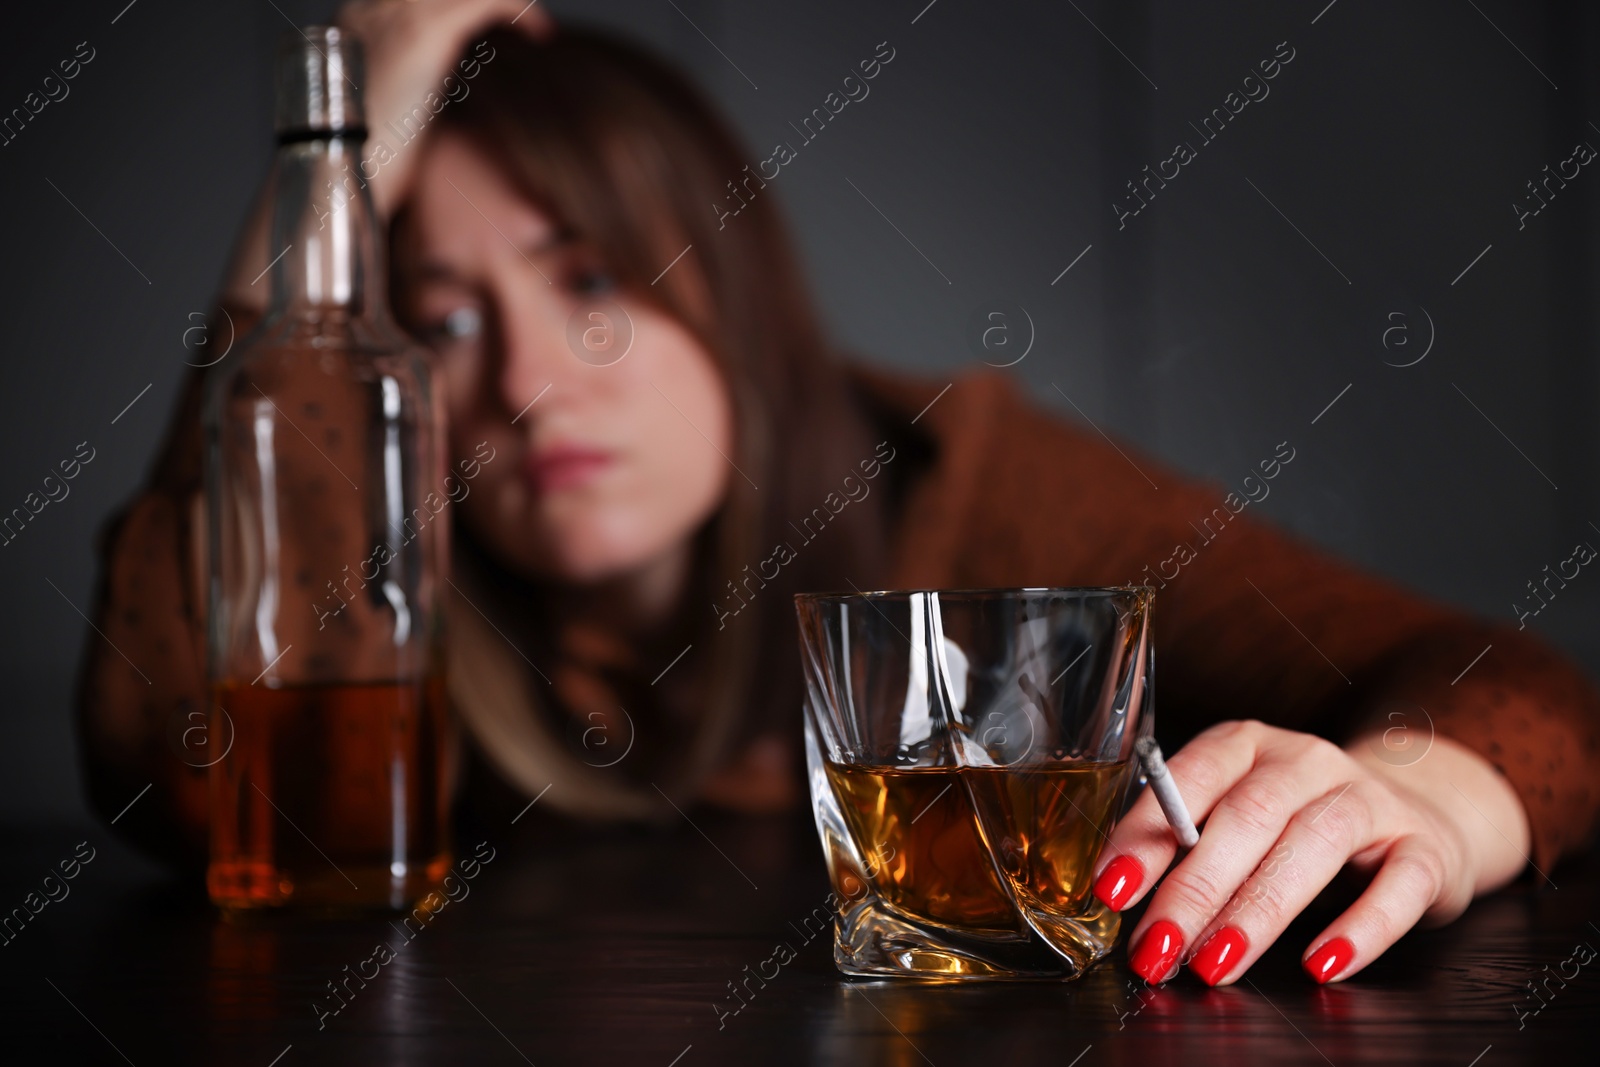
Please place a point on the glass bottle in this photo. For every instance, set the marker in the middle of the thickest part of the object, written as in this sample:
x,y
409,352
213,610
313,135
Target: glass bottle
x,y
327,547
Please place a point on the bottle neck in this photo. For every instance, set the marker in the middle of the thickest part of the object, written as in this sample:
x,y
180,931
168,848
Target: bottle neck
x,y
326,230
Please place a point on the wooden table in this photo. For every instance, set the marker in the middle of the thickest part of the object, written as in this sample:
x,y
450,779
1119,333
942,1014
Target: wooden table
x,y
620,949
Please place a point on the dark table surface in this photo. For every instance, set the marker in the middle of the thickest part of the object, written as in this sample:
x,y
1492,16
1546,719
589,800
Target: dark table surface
x,y
620,949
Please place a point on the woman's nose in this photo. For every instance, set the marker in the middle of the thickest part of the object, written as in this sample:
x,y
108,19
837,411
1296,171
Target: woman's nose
x,y
535,357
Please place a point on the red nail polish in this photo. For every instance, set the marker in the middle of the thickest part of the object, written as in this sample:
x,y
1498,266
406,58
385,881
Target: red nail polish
x,y
1158,950
1119,882
1334,956
1218,955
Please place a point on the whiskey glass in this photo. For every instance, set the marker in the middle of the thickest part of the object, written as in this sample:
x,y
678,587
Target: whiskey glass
x,y
968,753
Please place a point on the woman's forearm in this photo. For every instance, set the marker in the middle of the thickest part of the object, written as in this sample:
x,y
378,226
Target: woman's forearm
x,y
142,704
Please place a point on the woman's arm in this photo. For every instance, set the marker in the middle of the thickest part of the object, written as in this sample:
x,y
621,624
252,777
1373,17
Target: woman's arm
x,y
142,705
1468,748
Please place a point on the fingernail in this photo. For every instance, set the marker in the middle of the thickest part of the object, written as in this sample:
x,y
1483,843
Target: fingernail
x,y
1157,951
1326,962
1218,955
1119,882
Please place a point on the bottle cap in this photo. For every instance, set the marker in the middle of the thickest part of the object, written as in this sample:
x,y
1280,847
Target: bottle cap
x,y
320,74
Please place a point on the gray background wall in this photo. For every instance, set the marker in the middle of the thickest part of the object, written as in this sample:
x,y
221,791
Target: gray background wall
x,y
1219,321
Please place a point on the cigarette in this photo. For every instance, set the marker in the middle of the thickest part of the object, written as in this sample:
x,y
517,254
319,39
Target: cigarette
x,y
1155,770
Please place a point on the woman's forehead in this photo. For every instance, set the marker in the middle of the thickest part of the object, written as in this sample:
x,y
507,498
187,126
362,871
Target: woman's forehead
x,y
464,207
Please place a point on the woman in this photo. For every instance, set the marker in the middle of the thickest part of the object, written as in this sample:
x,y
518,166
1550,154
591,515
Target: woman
x,y
622,555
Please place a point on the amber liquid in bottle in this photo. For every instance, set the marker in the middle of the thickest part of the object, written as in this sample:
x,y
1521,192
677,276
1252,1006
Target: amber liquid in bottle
x,y
1043,825
336,794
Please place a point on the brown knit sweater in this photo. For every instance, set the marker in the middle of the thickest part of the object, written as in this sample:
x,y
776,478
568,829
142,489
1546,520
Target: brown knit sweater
x,y
1249,622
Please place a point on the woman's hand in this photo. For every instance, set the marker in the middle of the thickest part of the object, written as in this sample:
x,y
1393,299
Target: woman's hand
x,y
1283,813
411,47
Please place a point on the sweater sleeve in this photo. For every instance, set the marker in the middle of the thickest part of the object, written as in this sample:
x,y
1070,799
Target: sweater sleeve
x,y
142,702
1272,625
1250,622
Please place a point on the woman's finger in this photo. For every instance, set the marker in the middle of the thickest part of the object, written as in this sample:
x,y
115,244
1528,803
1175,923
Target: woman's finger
x,y
1413,881
1316,844
1240,833
1208,772
1243,819
450,15
1142,844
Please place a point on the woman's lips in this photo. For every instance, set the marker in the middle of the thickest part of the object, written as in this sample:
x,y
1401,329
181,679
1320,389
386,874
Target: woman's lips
x,y
563,467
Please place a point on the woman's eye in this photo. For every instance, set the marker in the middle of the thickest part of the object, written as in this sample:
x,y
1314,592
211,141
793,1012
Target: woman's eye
x,y
462,322
591,282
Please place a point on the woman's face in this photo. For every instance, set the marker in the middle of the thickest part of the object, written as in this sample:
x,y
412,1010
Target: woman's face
x,y
603,466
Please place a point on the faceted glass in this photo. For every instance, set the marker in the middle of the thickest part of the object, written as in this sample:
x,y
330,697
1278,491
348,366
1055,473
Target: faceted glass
x,y
968,754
